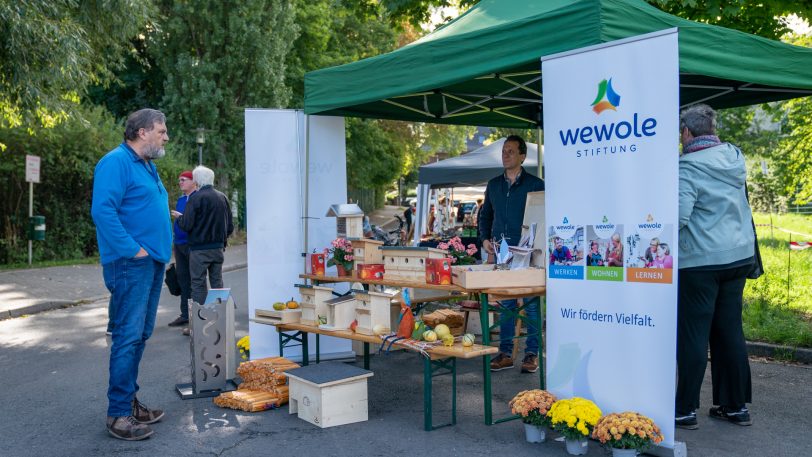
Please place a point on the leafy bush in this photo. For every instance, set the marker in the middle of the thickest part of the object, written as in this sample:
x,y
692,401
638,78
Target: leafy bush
x,y
69,152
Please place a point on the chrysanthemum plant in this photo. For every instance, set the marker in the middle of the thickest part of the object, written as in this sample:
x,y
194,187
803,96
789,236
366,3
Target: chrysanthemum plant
x,y
574,418
532,406
628,430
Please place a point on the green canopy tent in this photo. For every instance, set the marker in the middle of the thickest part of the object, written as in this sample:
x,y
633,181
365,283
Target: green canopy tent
x,y
483,68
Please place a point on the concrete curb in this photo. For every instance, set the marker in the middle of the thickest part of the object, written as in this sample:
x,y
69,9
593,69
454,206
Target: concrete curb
x,y
774,351
49,305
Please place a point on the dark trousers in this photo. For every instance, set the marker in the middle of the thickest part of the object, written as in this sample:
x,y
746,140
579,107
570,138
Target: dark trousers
x,y
184,277
710,311
202,263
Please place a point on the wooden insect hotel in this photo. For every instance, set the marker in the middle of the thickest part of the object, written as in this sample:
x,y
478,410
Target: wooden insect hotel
x,y
366,251
372,309
349,220
340,313
408,263
314,303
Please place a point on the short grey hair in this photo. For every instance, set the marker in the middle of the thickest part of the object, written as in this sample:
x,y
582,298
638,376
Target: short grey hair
x,y
142,119
203,176
699,119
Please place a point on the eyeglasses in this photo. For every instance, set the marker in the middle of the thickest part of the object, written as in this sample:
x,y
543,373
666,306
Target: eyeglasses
x,y
183,179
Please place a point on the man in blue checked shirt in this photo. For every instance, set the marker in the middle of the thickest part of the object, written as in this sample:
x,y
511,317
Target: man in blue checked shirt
x,y
131,212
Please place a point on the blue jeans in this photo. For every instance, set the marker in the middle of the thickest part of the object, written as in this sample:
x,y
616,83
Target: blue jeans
x,y
507,327
135,285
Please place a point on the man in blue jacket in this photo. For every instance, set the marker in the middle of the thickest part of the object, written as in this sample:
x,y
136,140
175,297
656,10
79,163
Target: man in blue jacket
x,y
502,215
131,211
187,187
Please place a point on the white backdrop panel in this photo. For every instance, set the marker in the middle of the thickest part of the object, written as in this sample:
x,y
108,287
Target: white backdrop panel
x,y
274,161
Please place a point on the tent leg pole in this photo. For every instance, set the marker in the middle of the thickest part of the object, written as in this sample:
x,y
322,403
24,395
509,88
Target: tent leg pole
x,y
306,189
540,142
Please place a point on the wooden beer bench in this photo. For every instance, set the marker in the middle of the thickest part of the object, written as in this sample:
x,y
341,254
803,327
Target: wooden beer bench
x,y
441,359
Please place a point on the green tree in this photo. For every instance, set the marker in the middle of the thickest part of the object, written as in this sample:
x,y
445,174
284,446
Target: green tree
x,y
51,51
219,58
762,18
69,152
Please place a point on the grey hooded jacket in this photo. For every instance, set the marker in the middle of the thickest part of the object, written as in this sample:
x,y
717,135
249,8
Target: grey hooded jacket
x,y
715,225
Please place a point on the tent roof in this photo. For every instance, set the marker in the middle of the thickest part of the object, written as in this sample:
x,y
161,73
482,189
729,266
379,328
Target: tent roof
x,y
474,168
483,68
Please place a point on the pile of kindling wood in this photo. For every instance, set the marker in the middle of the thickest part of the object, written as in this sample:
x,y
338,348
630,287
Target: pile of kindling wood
x,y
264,385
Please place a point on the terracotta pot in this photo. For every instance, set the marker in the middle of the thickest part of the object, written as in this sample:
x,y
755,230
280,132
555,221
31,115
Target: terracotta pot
x,y
342,271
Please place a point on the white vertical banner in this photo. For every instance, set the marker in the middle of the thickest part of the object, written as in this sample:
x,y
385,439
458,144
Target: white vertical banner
x,y
611,125
275,164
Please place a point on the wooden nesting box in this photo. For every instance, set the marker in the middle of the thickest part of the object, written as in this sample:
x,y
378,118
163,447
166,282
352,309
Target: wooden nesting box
x,y
371,309
329,394
349,220
340,313
366,251
313,303
408,263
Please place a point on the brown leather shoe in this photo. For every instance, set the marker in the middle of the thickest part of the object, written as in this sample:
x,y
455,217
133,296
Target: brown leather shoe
x,y
145,415
501,362
180,320
127,428
530,363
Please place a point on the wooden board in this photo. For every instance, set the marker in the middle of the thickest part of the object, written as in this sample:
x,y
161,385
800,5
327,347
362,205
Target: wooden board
x,y
436,352
411,284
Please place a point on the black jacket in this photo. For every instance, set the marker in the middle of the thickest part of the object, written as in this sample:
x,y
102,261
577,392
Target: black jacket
x,y
502,212
207,219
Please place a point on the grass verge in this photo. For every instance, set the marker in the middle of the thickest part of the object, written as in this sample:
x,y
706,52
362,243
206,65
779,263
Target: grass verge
x,y
778,306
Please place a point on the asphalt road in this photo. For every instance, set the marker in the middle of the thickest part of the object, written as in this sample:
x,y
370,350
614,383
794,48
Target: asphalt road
x,y
53,381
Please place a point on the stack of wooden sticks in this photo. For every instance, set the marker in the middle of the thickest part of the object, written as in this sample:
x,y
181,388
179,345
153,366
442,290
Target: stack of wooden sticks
x,y
263,387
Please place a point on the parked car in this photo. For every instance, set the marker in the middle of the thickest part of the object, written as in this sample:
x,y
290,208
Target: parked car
x,y
465,208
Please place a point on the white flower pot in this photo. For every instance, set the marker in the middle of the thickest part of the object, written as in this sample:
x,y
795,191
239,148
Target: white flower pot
x,y
579,446
534,433
624,452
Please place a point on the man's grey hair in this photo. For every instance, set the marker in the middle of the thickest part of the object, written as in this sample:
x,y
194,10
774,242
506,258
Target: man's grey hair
x,y
142,119
203,176
699,119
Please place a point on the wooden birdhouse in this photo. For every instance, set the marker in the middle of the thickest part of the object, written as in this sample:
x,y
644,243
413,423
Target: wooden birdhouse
x,y
408,263
349,220
366,250
313,303
340,313
372,309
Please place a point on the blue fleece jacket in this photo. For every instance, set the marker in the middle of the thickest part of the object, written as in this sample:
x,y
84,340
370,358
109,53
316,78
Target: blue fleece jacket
x,y
130,207
181,237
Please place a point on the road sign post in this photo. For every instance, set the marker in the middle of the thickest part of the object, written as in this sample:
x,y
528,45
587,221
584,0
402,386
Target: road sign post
x,y
32,168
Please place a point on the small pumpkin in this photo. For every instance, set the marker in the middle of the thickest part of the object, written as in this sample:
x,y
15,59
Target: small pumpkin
x,y
429,336
468,340
292,304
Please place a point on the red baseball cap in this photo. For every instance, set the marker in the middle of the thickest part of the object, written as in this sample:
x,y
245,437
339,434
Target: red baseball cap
x,y
186,174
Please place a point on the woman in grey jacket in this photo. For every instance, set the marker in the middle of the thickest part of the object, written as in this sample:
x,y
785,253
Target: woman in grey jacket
x,y
715,254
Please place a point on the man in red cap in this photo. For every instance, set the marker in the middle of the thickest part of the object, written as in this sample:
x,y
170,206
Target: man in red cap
x,y
188,187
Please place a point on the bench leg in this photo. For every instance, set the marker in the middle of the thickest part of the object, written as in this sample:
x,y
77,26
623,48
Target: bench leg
x,y
366,356
432,368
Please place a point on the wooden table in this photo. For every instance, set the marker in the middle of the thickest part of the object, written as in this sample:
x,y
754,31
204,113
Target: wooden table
x,y
441,357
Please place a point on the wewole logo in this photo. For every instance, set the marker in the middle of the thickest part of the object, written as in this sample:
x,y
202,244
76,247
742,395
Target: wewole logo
x,y
565,230
608,99
651,227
